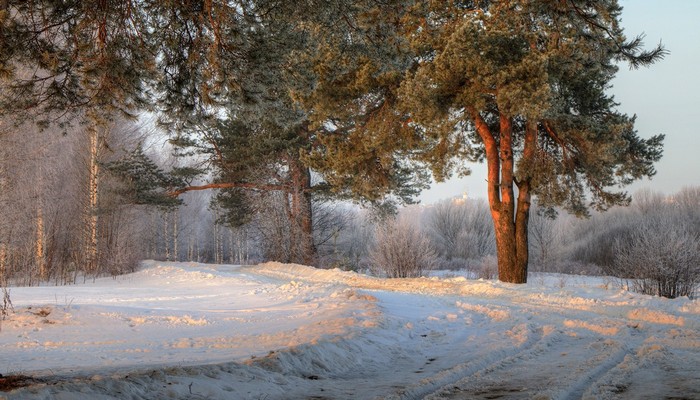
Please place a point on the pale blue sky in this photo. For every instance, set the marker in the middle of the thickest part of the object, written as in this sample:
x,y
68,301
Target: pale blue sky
x,y
665,97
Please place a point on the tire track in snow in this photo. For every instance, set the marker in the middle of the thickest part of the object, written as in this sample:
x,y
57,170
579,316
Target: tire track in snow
x,y
587,380
562,341
549,370
491,361
652,371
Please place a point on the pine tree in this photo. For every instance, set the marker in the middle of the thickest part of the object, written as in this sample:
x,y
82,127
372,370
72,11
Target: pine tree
x,y
347,78
251,135
60,59
520,84
254,137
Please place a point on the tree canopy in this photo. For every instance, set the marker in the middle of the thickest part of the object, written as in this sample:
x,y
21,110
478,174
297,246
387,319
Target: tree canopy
x,y
370,94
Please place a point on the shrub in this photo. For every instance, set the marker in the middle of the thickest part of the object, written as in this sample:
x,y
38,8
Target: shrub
x,y
660,257
401,250
488,268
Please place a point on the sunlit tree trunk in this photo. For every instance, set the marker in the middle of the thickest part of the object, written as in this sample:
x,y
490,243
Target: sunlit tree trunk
x,y
39,244
510,222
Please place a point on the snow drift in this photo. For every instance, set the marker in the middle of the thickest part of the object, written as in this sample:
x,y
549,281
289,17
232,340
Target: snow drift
x,y
278,331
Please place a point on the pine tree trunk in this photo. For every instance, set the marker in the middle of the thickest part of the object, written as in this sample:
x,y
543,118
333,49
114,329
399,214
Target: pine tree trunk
x,y
302,214
289,207
307,231
522,216
510,223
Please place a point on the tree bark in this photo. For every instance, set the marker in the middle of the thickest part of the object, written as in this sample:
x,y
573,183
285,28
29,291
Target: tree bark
x,y
506,243
510,223
306,215
522,217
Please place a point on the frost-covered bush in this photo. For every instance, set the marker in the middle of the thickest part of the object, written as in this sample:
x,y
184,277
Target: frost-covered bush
x,y
401,250
488,268
661,256
461,229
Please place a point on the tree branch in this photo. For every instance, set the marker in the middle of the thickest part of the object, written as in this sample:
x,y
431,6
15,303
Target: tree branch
x,y
492,157
229,185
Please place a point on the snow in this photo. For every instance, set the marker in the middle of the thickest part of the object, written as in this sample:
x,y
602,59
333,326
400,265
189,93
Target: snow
x,y
280,331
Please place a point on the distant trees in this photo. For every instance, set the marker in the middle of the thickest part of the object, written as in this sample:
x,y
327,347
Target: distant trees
x,y
652,245
659,253
261,94
547,238
57,223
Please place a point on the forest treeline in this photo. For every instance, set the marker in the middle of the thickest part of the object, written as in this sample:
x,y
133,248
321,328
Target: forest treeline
x,y
239,131
45,230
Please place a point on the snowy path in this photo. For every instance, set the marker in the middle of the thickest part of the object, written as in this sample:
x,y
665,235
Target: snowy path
x,y
182,330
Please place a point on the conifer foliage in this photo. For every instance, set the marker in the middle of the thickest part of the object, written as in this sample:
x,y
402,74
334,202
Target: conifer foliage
x,y
61,58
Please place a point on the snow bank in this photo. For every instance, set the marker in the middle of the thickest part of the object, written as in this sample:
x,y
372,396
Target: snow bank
x,y
277,331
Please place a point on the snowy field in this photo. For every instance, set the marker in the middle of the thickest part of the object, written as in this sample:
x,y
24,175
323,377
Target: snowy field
x,y
275,331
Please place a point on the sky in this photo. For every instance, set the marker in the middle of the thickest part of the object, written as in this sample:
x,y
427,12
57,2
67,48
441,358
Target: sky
x,y
665,97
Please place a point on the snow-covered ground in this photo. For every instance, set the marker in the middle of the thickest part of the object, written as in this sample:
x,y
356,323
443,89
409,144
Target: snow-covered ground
x,y
276,331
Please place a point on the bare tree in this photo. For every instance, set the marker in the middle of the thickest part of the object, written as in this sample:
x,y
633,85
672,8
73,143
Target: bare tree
x,y
687,202
647,200
447,221
351,245
547,234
